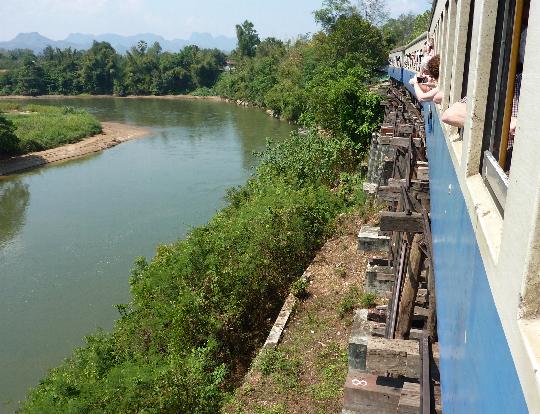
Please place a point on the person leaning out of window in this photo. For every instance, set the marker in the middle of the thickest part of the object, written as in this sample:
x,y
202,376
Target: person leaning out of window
x,y
426,82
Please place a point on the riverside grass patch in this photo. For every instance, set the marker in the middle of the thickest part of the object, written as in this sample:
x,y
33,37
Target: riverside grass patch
x,y
42,127
202,306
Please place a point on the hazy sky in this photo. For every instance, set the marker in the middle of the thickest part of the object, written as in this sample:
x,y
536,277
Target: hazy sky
x,y
169,18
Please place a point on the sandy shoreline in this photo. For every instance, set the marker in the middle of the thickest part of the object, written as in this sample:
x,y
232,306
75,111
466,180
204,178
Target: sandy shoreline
x,y
113,134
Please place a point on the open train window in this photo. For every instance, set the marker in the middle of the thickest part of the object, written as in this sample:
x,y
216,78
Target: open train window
x,y
464,82
503,95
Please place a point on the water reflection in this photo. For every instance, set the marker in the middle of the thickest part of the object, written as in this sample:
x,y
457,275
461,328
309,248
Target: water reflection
x,y
254,125
14,199
201,120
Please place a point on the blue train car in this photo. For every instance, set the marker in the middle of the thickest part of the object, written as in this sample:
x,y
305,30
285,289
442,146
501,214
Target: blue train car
x,y
485,200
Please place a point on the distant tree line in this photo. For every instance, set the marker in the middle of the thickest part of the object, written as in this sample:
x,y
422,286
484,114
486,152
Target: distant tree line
x,y
322,80
405,28
143,70
319,81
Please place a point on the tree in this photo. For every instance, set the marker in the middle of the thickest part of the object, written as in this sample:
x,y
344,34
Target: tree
x,y
405,28
9,143
30,78
397,31
271,47
7,82
332,11
356,42
176,79
374,11
248,39
99,69
61,69
421,24
207,67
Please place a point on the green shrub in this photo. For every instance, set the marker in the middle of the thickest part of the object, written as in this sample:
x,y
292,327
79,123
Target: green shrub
x,y
299,288
349,301
310,159
368,300
202,91
9,143
339,101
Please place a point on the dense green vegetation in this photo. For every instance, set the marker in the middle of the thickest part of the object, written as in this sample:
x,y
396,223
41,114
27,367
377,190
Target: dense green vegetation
x,y
203,305
9,143
320,81
144,70
405,28
27,128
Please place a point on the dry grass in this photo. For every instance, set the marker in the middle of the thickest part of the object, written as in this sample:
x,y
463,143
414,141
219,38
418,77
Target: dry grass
x,y
307,371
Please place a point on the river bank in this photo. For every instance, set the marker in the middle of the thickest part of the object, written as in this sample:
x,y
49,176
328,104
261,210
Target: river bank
x,y
48,97
213,98
114,133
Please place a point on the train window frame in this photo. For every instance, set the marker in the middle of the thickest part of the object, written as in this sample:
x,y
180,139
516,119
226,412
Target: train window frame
x,y
466,65
448,52
499,103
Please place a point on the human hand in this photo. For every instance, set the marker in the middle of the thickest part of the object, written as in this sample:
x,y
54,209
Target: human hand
x,y
413,80
513,124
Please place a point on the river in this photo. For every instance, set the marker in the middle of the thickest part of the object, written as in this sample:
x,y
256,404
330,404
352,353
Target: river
x,y
69,232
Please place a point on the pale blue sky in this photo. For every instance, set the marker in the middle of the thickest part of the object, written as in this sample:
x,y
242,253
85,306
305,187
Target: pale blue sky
x,y
169,18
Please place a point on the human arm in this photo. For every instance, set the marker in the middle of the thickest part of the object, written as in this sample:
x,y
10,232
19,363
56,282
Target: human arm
x,y
513,124
438,97
425,87
455,114
424,96
424,92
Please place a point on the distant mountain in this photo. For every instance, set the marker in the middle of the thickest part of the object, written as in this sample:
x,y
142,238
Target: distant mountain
x,y
37,42
33,41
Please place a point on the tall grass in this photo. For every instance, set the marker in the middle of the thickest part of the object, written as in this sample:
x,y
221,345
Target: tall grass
x,y
41,127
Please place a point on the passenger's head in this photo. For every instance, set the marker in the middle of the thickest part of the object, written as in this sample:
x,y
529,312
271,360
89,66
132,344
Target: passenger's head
x,y
433,66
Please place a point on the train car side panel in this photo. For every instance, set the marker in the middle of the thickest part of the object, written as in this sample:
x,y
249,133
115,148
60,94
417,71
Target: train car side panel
x,y
477,369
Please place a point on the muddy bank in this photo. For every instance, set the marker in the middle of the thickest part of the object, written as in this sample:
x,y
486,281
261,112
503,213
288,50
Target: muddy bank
x,y
113,134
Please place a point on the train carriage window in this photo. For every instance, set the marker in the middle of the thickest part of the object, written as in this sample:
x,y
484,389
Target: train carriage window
x,y
503,95
465,81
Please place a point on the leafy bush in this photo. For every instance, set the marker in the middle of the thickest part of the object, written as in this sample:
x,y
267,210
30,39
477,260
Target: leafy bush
x,y
348,302
299,288
9,143
202,91
368,300
339,102
309,160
